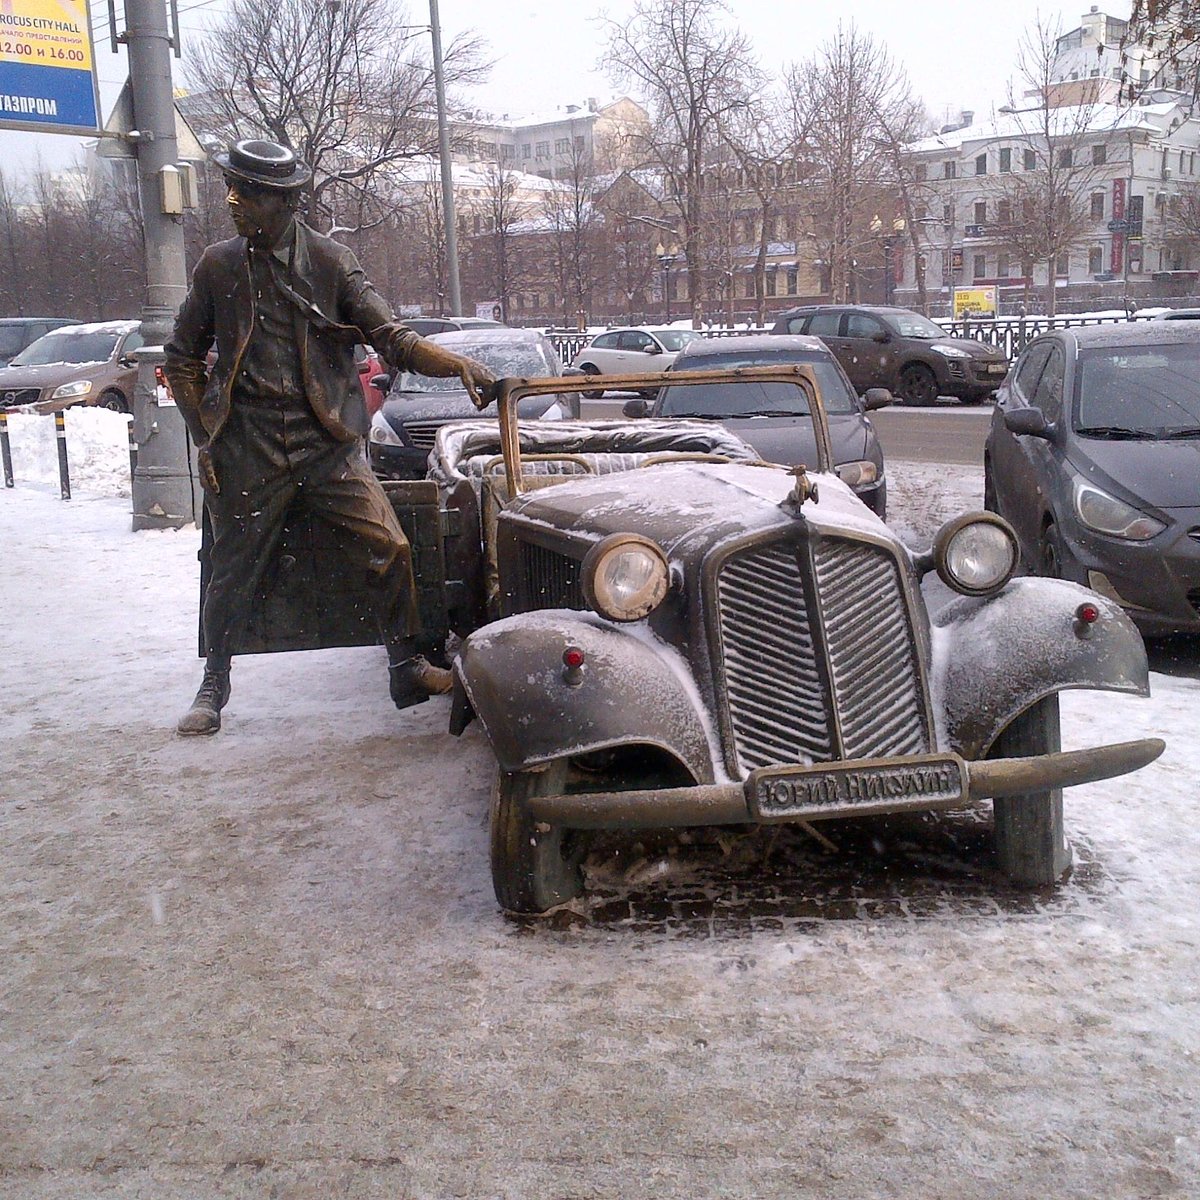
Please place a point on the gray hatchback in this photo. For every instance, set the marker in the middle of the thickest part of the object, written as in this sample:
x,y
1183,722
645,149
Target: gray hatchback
x,y
1094,457
774,417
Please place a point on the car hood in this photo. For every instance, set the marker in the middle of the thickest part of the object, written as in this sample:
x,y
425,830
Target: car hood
x,y
790,440
49,375
972,347
452,406
1164,474
692,506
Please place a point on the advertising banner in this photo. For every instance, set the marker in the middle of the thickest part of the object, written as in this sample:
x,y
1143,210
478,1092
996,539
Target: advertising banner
x,y
974,302
47,67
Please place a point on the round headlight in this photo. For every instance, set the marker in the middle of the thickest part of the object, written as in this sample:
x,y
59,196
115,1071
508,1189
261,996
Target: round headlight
x,y
976,554
625,577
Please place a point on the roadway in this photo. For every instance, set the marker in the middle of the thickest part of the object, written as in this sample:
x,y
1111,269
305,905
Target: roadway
x,y
948,434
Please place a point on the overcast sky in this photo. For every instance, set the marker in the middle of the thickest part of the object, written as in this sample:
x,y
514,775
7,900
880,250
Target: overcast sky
x,y
958,55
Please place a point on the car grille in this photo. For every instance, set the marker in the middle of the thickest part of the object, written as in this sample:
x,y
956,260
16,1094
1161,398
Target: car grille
x,y
422,433
548,580
780,667
19,396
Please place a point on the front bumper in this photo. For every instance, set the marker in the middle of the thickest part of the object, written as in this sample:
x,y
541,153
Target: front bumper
x,y
849,789
970,379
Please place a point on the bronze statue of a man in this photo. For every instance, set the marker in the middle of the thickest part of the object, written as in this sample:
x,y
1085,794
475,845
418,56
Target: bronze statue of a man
x,y
280,417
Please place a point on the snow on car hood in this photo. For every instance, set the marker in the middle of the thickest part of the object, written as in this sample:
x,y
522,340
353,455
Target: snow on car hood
x,y
47,375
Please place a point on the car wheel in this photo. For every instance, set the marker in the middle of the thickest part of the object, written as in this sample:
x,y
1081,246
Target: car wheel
x,y
589,369
1050,553
917,385
1031,847
534,866
113,401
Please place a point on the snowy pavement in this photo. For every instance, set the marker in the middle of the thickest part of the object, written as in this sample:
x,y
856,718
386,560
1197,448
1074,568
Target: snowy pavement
x,y
270,964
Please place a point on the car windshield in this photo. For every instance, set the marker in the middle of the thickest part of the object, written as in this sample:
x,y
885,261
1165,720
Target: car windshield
x,y
12,338
60,347
676,339
755,399
914,325
1138,391
506,360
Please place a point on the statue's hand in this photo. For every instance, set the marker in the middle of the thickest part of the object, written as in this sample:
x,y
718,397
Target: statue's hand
x,y
479,382
208,474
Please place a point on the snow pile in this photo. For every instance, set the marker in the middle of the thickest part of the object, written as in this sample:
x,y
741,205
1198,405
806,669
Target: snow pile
x,y
97,450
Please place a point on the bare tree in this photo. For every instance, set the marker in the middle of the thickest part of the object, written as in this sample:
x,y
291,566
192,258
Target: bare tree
x,y
339,81
17,263
692,72
834,102
570,213
1041,207
1169,30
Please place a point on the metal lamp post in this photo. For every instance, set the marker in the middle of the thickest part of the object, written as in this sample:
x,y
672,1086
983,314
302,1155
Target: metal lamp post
x,y
666,260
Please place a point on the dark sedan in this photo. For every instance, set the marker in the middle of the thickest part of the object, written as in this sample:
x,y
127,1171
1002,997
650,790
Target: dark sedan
x,y
774,418
1094,456
417,406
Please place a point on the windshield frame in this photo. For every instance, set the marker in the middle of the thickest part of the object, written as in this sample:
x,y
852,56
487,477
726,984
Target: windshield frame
x,y
429,385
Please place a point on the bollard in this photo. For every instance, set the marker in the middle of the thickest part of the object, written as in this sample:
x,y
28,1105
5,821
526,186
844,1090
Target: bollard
x,y
64,477
6,450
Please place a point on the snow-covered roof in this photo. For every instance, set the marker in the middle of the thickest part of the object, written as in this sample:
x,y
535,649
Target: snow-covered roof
x,y
1073,119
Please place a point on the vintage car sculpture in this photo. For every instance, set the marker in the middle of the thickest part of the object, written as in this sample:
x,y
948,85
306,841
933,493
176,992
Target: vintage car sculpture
x,y
659,630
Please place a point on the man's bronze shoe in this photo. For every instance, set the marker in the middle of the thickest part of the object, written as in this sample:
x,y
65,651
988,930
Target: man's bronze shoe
x,y
205,714
415,679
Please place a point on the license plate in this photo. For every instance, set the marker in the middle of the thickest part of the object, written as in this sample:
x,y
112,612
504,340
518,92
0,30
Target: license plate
x,y
877,785
997,368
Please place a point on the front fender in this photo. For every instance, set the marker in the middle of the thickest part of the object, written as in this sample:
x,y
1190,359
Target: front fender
x,y
631,689
995,656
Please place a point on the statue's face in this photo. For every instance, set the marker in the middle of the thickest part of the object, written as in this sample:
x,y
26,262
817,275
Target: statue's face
x,y
258,212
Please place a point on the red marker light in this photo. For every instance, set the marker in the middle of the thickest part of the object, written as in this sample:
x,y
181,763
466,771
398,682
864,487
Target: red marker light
x,y
573,658
1088,613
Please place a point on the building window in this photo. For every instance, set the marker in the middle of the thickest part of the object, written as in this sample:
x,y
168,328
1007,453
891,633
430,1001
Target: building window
x,y
526,150
980,212
1095,260
919,172
981,164
507,151
1002,266
1030,163
1062,266
949,169
1065,157
771,276
979,266
562,145
1004,212
579,142
947,214
793,281
1099,155
1097,206
1005,160
543,149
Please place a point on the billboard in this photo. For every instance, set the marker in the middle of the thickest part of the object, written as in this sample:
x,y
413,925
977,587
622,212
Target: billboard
x,y
974,302
47,67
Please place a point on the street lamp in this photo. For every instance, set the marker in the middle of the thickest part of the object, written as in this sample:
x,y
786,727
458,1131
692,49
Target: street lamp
x,y
667,258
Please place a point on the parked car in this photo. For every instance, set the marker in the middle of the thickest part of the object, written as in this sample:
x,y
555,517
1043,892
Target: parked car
x,y
417,406
428,325
660,630
900,350
369,369
1178,314
18,332
774,417
1092,457
75,364
620,351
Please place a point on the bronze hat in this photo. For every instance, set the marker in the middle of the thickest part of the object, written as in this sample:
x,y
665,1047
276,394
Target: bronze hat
x,y
266,163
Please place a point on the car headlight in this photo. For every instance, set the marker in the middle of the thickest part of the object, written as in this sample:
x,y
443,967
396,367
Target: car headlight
x,y
857,474
951,351
1106,514
625,577
976,554
382,433
70,391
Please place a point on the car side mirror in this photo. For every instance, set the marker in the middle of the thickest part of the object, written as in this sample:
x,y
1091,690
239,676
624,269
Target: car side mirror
x,y
874,398
654,348
127,361
636,408
882,336
1028,422
382,382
